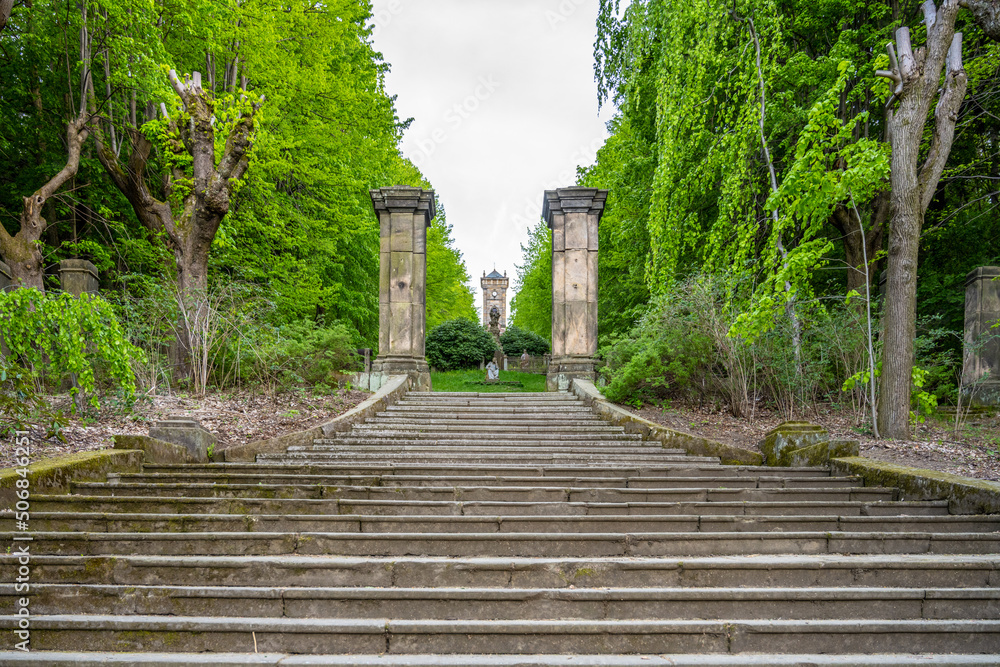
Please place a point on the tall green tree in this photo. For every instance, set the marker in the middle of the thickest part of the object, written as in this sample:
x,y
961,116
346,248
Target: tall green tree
x,y
531,306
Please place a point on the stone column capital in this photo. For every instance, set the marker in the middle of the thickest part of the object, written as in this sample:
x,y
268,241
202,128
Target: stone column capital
x,y
405,199
573,200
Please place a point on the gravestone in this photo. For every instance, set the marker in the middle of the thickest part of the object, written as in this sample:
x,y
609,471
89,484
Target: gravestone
x,y
573,215
981,367
404,214
78,276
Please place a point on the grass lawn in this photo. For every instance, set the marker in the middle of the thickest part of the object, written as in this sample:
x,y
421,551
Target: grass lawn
x,y
464,381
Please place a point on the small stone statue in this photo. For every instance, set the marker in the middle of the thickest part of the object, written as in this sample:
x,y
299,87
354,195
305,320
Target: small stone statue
x,y
525,361
492,371
494,318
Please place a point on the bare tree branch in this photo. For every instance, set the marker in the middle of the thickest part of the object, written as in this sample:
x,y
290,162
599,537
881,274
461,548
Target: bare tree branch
x,y
986,14
946,115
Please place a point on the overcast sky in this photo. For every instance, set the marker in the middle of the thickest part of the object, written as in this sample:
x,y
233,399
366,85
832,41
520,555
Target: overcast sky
x,y
504,106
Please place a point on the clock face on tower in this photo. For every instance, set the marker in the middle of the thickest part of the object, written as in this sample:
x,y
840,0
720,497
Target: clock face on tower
x,y
494,292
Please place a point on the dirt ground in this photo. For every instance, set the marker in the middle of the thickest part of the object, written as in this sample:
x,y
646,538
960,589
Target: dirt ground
x,y
973,452
235,419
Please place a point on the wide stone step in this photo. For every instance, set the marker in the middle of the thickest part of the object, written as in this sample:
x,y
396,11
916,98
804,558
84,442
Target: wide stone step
x,y
478,429
156,659
683,468
377,636
512,603
467,412
400,458
332,506
511,544
837,570
417,447
485,448
488,421
494,493
131,522
746,482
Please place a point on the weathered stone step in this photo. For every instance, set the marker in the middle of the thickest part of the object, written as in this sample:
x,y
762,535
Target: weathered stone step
x,y
683,468
495,493
328,506
746,482
473,428
836,570
417,447
131,522
400,458
377,636
154,659
513,396
512,544
489,421
512,603
506,411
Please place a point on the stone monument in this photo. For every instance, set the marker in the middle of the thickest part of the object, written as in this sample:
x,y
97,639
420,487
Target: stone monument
x,y
78,276
981,367
573,215
495,296
404,214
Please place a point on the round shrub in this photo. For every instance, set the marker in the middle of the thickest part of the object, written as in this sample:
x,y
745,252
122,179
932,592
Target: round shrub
x,y
458,344
516,340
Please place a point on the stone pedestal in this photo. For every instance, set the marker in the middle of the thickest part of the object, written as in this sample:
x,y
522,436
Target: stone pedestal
x,y
187,433
981,367
573,215
404,214
78,276
6,280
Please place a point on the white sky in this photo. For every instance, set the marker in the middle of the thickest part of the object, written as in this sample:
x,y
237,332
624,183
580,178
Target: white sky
x,y
504,104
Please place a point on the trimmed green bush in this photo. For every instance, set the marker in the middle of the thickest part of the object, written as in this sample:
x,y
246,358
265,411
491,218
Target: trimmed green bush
x,y
457,344
516,340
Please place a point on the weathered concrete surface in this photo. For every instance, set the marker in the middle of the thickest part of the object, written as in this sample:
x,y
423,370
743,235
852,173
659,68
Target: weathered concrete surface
x,y
965,495
404,214
728,454
389,394
78,276
157,451
789,436
55,474
573,215
981,367
186,433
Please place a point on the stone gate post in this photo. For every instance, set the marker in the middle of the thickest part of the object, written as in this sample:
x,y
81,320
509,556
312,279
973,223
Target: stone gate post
x,y
982,341
78,276
573,215
404,214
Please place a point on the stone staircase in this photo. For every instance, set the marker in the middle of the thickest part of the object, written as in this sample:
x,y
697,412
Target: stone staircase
x,y
500,529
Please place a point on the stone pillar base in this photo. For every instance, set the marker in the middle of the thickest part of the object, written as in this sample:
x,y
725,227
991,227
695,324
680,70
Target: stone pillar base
x,y
563,370
416,367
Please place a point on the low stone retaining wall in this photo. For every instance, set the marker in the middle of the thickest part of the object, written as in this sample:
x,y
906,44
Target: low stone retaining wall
x,y
728,454
965,495
390,392
55,474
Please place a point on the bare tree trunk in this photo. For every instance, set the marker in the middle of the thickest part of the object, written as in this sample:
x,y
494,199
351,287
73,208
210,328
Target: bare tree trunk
x,y
191,228
916,76
987,16
22,251
5,8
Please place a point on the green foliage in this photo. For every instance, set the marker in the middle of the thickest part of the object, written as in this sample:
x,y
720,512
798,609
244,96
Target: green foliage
x,y
516,340
303,353
448,295
56,336
458,344
21,405
531,306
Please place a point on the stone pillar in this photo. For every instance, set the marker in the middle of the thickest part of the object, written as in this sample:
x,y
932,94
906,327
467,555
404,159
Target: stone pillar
x,y
573,215
404,214
982,341
78,276
5,278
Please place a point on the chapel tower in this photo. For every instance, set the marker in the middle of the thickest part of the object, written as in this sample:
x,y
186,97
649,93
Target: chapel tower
x,y
494,294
